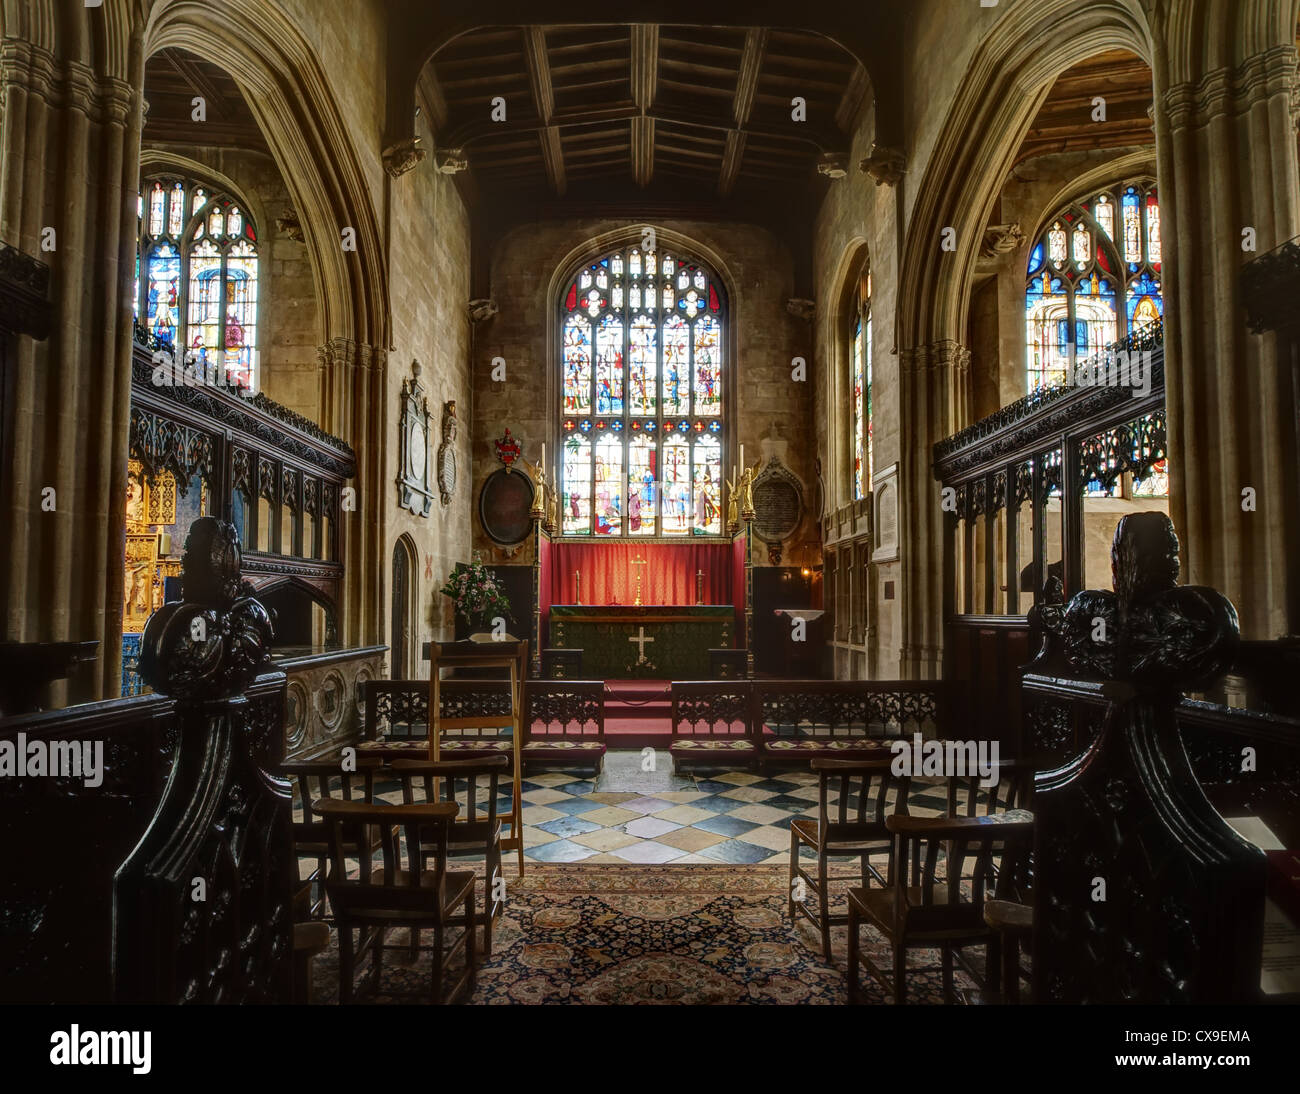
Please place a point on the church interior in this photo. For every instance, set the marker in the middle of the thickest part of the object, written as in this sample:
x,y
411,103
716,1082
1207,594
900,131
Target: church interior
x,y
508,503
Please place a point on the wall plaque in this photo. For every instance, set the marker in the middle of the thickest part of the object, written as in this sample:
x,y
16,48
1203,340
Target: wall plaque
x,y
447,453
505,506
778,502
414,491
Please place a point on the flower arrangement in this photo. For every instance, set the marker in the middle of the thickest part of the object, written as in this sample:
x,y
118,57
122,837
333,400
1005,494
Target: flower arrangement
x,y
474,591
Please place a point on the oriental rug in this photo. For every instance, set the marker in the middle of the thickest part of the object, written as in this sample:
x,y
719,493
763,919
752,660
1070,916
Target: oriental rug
x,y
635,934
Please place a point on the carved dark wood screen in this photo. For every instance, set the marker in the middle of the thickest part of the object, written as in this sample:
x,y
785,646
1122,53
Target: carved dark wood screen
x,y
1143,893
202,905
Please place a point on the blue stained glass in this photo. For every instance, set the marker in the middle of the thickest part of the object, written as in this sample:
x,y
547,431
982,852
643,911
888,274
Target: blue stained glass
x,y
616,426
715,427
650,426
585,425
684,426
1036,258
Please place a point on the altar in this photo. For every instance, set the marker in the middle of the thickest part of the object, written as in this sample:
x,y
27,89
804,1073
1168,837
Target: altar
x,y
668,641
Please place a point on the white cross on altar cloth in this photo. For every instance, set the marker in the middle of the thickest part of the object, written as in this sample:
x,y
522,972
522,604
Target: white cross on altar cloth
x,y
640,639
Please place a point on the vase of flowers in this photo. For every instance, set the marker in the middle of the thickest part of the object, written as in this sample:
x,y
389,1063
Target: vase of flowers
x,y
477,596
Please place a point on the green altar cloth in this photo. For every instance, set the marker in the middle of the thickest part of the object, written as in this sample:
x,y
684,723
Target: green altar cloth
x,y
676,639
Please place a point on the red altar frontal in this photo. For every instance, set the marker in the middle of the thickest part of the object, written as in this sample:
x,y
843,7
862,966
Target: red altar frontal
x,y
682,576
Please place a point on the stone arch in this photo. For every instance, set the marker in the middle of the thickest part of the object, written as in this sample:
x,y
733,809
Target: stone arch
x,y
291,101
1005,83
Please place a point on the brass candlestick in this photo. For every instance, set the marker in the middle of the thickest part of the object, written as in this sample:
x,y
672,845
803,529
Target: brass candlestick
x,y
699,586
638,562
577,586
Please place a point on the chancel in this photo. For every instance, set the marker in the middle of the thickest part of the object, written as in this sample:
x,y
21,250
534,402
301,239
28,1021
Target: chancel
x,y
519,503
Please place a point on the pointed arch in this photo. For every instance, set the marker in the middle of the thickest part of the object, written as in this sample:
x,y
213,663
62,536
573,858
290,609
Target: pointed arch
x,y
291,101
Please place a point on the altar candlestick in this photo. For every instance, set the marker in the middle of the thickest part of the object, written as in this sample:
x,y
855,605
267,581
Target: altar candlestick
x,y
699,586
577,586
542,462
742,455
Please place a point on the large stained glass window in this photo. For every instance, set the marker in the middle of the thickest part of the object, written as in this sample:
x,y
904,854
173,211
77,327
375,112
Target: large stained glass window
x,y
642,397
1093,278
860,362
197,276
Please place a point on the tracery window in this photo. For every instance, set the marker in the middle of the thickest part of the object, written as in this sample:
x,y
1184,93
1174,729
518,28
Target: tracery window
x,y
1093,278
642,412
197,276
860,379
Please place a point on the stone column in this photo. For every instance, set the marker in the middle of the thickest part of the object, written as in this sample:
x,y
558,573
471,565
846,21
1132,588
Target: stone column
x,y
70,164
353,407
934,403
1226,144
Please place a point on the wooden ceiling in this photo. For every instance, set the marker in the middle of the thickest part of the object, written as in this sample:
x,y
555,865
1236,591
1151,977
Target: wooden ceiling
x,y
1064,122
172,79
644,111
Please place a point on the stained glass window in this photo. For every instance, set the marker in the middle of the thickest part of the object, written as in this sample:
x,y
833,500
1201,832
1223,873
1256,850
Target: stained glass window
x,y
1093,278
197,277
860,361
643,342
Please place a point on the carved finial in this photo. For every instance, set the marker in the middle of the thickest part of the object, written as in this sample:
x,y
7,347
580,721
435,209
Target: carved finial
x,y
1001,239
885,164
402,156
213,643
832,165
482,309
450,161
801,308
1150,630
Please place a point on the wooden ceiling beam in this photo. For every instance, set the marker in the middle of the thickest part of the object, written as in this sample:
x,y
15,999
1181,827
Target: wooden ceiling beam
x,y
644,79
539,79
193,75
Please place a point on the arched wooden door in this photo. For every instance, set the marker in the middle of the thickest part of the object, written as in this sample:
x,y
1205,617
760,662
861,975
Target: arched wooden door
x,y
401,618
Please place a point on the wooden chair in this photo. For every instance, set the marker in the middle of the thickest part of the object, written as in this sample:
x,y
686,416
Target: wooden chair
x,y
851,827
387,895
1014,924
477,829
930,914
511,658
315,779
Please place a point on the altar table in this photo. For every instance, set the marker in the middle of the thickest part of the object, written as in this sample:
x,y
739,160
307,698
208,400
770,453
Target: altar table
x,y
666,641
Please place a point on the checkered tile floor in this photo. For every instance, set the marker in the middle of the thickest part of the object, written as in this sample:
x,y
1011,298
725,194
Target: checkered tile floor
x,y
661,816
628,815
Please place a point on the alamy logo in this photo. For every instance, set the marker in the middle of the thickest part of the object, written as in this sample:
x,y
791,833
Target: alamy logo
x,y
921,757
78,1046
23,759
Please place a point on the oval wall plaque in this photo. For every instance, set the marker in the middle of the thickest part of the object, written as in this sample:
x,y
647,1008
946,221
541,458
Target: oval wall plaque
x,y
505,506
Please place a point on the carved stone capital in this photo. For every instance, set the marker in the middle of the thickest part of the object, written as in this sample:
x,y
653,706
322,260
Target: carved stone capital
x,y
1001,239
939,356
832,165
800,308
450,161
402,156
482,309
289,226
885,164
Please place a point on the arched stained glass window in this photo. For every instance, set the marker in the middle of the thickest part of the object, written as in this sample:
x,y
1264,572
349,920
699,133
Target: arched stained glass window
x,y
197,276
1093,278
642,409
860,379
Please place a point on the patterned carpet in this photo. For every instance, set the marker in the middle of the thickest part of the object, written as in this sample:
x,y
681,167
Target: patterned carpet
x,y
645,934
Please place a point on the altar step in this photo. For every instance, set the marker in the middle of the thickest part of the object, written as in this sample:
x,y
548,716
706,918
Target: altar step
x,y
638,713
